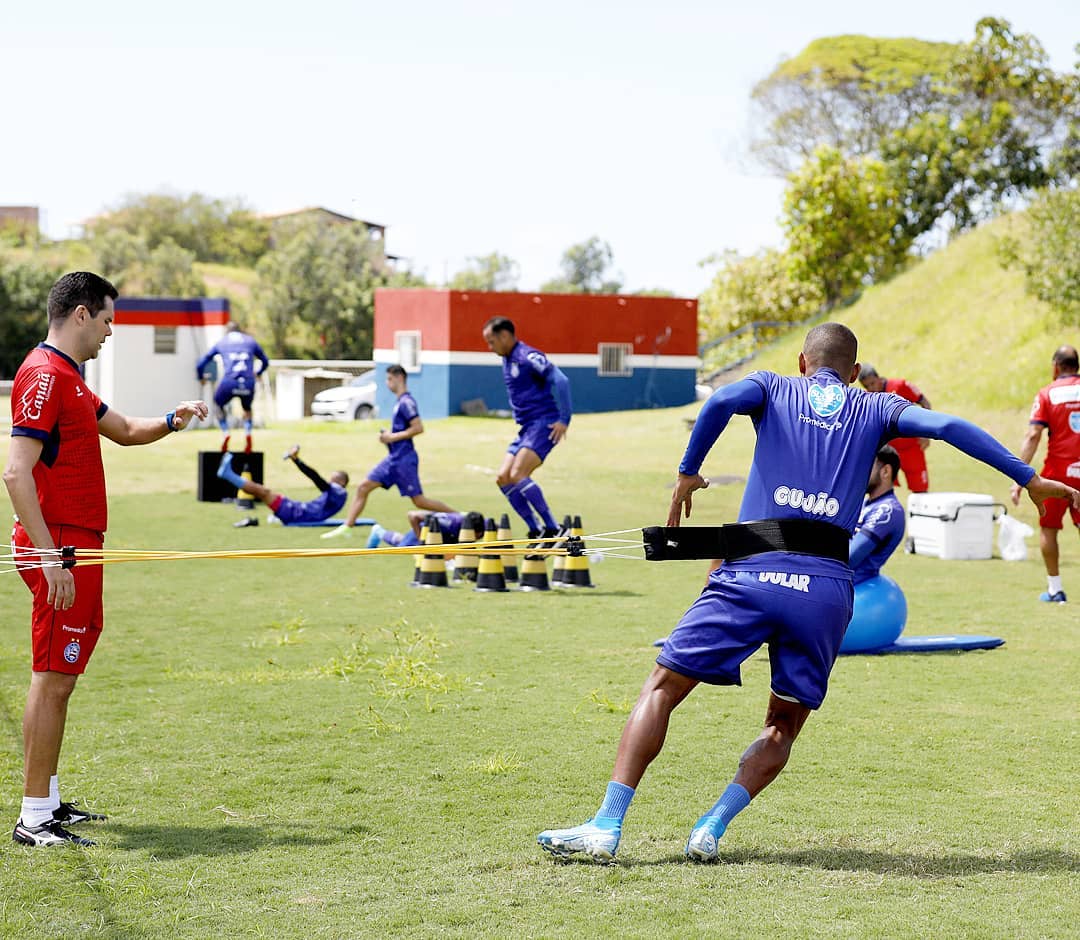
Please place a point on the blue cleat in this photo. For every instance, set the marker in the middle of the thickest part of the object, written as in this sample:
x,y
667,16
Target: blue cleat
x,y
597,841
1058,598
702,844
377,532
225,467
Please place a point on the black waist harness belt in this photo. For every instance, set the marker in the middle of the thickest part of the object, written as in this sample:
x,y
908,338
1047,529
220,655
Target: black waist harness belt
x,y
739,540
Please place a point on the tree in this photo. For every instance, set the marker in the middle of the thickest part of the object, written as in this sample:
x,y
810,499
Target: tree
x,y
1050,253
584,267
843,221
493,272
24,291
214,230
169,272
316,291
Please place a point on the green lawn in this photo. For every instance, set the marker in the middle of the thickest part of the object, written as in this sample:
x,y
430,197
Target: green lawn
x,y
309,748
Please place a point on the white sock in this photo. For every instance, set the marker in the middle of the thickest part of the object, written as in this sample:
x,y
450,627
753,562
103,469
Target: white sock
x,y
1054,582
54,791
36,810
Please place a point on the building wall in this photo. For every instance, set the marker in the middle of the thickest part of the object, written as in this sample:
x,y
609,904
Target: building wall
x,y
130,377
455,364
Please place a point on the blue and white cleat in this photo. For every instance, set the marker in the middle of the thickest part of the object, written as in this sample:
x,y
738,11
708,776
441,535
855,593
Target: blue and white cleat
x,y
377,532
598,842
702,844
1055,598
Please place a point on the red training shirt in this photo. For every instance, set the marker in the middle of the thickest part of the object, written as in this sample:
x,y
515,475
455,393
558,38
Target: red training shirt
x,y
51,403
910,391
1057,408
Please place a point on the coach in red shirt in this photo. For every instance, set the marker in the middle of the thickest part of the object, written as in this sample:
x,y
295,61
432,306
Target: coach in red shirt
x,y
910,449
56,482
1057,410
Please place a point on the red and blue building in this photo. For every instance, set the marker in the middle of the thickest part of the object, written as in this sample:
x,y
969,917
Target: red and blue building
x,y
619,352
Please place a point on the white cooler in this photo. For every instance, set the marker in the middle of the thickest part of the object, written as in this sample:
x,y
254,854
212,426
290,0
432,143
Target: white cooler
x,y
951,525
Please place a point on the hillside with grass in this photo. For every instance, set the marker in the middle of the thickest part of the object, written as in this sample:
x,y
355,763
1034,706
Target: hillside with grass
x,y
956,323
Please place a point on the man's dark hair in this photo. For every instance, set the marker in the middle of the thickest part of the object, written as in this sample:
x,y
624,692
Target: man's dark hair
x,y
888,456
1066,359
79,288
344,477
501,325
396,370
832,345
867,371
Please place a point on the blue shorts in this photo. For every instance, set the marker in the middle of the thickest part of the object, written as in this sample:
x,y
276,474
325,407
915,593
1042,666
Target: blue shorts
x,y
404,474
802,618
228,390
536,435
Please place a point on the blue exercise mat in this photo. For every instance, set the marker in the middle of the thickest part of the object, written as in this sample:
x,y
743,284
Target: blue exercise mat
x,y
939,644
328,522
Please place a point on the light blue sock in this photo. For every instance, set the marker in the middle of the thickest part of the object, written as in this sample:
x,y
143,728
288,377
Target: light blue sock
x,y
521,505
226,472
530,489
732,802
247,426
616,802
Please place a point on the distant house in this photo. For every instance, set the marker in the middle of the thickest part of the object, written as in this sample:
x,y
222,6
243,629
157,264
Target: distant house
x,y
24,221
325,216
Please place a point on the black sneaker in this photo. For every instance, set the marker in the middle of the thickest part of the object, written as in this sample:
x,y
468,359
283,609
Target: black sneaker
x,y
69,814
48,833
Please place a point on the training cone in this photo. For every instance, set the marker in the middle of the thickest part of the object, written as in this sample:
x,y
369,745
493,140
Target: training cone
x,y
243,500
534,576
510,567
576,567
490,576
415,582
558,570
433,567
465,564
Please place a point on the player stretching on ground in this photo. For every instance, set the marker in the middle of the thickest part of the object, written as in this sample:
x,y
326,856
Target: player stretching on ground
x,y
331,498
816,441
540,398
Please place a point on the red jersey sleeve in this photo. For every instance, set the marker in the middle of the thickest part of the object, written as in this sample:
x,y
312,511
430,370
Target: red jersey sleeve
x,y
904,389
35,401
1040,408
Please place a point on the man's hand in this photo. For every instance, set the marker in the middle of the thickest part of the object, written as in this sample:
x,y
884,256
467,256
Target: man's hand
x,y
681,497
61,587
558,431
924,442
1014,493
1040,489
187,410
384,437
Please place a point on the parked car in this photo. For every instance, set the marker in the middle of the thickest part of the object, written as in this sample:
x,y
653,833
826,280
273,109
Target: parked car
x,y
354,401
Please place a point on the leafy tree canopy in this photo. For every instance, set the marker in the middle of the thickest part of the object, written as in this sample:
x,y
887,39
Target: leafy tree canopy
x,y
24,289
585,270
493,272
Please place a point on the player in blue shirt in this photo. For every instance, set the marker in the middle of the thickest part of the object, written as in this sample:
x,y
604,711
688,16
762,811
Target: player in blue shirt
x,y
539,395
401,468
816,441
880,529
332,493
239,354
450,526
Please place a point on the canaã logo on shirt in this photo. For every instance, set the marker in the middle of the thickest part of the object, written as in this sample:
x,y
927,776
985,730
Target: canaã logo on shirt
x,y
34,398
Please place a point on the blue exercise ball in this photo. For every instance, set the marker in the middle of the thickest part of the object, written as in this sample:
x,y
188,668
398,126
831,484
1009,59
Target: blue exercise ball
x,y
879,616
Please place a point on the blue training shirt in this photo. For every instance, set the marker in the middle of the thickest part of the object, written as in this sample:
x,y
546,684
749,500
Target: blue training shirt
x,y
404,412
530,377
239,352
320,508
882,523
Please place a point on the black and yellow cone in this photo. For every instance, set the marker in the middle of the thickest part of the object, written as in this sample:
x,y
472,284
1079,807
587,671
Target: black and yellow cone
x,y
415,582
433,567
243,499
510,567
465,565
558,570
534,576
490,575
576,568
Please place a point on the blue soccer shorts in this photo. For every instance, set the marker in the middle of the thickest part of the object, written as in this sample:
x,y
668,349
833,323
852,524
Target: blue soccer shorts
x,y
404,474
801,618
229,390
536,435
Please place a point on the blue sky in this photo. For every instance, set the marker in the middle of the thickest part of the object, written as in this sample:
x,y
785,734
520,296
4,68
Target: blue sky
x,y
466,128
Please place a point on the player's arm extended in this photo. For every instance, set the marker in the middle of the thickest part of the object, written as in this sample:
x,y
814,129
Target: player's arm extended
x,y
126,431
741,397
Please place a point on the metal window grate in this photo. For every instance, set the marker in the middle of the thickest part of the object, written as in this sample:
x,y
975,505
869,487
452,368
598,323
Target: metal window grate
x,y
615,359
165,340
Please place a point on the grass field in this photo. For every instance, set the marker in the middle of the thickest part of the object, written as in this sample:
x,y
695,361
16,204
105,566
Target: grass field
x,y
308,748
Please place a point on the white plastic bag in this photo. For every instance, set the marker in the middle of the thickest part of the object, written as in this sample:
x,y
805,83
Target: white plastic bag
x,y
1011,535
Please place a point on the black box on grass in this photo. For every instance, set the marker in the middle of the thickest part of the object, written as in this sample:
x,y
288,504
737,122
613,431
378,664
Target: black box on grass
x,y
213,489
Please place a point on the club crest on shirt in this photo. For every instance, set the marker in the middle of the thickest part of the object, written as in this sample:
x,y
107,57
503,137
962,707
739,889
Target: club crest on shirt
x,y
826,400
515,370
72,651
